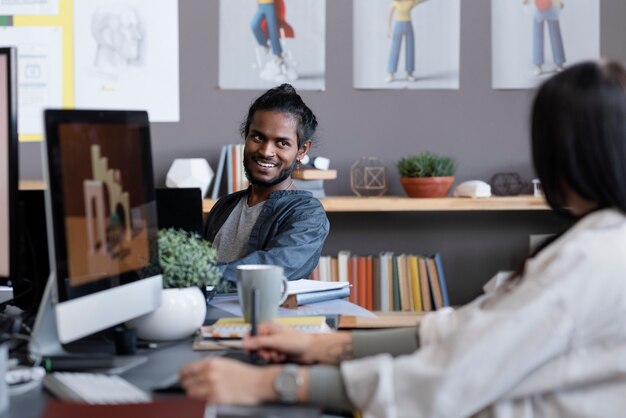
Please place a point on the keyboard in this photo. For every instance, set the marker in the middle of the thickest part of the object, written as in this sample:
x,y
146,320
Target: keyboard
x,y
93,388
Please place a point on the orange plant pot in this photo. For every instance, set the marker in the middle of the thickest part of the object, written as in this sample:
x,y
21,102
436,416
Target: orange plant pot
x,y
427,186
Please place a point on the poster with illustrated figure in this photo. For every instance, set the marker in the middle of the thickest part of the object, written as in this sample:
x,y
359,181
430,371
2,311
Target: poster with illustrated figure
x,y
126,56
406,44
263,43
534,39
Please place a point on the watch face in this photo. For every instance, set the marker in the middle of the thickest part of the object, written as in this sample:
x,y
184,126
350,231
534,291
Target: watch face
x,y
287,384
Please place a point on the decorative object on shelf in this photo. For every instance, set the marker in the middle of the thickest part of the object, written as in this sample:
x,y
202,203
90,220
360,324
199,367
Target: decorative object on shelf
x,y
190,172
507,184
473,189
188,264
427,174
368,177
537,190
321,163
312,180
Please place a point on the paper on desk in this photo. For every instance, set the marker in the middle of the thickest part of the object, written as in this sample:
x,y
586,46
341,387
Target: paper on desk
x,y
230,304
297,287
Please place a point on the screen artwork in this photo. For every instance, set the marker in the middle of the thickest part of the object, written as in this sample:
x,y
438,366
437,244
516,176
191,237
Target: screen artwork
x,y
106,213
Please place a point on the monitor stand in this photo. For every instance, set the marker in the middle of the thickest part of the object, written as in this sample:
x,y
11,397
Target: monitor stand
x,y
6,294
46,348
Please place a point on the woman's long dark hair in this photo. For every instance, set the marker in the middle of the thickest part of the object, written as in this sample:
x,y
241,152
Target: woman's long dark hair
x,y
579,135
578,129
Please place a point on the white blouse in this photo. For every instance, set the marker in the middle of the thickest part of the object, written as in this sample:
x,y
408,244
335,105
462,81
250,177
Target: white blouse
x,y
552,346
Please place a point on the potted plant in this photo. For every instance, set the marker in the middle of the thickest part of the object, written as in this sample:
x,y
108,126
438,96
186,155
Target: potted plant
x,y
188,265
427,174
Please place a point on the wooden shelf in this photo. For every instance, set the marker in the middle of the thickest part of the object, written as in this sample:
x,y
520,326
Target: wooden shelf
x,y
396,203
407,204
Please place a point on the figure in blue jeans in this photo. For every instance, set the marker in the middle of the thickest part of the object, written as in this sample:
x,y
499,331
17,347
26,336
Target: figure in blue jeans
x,y
547,11
266,25
267,12
402,28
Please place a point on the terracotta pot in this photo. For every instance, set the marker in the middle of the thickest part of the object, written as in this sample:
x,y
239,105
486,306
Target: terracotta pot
x,y
427,186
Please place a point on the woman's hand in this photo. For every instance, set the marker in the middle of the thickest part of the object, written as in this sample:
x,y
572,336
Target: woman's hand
x,y
277,343
225,381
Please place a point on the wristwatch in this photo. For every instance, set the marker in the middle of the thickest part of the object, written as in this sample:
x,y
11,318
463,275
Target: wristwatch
x,y
287,384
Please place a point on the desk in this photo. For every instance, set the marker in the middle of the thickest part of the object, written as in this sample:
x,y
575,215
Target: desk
x,y
163,362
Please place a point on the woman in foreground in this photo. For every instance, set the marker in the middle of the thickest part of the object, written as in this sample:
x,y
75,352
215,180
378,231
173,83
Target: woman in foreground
x,y
551,341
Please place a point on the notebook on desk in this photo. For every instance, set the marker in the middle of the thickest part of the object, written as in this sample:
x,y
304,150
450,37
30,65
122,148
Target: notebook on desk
x,y
227,328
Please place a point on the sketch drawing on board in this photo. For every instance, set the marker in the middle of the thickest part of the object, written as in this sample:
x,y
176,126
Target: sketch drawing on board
x,y
401,27
547,11
269,25
117,30
126,56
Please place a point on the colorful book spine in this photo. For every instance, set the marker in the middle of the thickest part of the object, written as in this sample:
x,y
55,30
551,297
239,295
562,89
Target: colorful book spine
x,y
442,279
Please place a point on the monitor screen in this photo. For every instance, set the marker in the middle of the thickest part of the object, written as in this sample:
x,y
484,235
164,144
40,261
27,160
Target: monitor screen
x,y
8,164
103,203
102,225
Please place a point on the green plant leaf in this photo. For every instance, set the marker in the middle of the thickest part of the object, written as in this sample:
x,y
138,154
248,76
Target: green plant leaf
x,y
186,259
426,164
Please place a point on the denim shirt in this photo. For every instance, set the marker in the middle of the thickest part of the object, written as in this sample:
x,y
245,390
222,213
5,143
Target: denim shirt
x,y
289,232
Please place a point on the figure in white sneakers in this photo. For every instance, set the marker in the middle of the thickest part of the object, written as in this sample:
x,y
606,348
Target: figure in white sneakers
x,y
402,28
268,24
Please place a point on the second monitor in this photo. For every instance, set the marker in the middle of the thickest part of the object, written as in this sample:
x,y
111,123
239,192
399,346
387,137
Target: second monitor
x,y
102,225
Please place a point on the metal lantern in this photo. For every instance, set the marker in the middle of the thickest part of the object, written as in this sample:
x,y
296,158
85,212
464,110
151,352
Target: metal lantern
x,y
368,177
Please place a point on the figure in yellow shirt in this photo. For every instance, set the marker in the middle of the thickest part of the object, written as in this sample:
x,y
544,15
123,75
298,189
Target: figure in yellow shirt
x,y
402,28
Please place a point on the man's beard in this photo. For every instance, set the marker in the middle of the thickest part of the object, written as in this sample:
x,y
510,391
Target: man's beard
x,y
282,175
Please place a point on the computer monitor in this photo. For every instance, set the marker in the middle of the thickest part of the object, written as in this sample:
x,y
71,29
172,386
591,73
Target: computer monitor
x,y
180,208
8,170
102,225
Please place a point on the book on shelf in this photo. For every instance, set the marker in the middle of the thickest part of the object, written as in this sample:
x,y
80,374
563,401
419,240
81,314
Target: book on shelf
x,y
424,286
229,170
314,174
388,281
316,187
442,279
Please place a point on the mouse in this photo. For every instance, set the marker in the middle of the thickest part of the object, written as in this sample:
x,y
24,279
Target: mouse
x,y
473,188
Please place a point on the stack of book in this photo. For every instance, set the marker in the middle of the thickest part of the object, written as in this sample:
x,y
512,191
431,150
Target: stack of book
x,y
229,168
304,292
389,282
312,180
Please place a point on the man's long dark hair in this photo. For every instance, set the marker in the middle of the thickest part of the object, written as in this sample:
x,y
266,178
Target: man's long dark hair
x,y
285,99
578,129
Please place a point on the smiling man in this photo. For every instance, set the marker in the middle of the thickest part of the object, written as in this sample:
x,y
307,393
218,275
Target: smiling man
x,y
271,222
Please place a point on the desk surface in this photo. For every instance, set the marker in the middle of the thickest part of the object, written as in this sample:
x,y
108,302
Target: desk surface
x,y
163,362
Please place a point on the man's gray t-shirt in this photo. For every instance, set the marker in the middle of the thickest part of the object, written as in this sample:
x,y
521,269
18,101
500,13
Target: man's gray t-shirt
x,y
232,239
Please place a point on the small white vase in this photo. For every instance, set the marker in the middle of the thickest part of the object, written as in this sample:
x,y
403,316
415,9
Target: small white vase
x,y
181,313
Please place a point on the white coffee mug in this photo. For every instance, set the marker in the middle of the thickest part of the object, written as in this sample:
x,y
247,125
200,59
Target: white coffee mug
x,y
270,284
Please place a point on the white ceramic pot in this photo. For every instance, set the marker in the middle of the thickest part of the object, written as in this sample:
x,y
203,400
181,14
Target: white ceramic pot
x,y
181,313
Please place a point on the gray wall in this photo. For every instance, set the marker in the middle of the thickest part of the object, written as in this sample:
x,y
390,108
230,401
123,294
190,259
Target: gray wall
x,y
485,129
